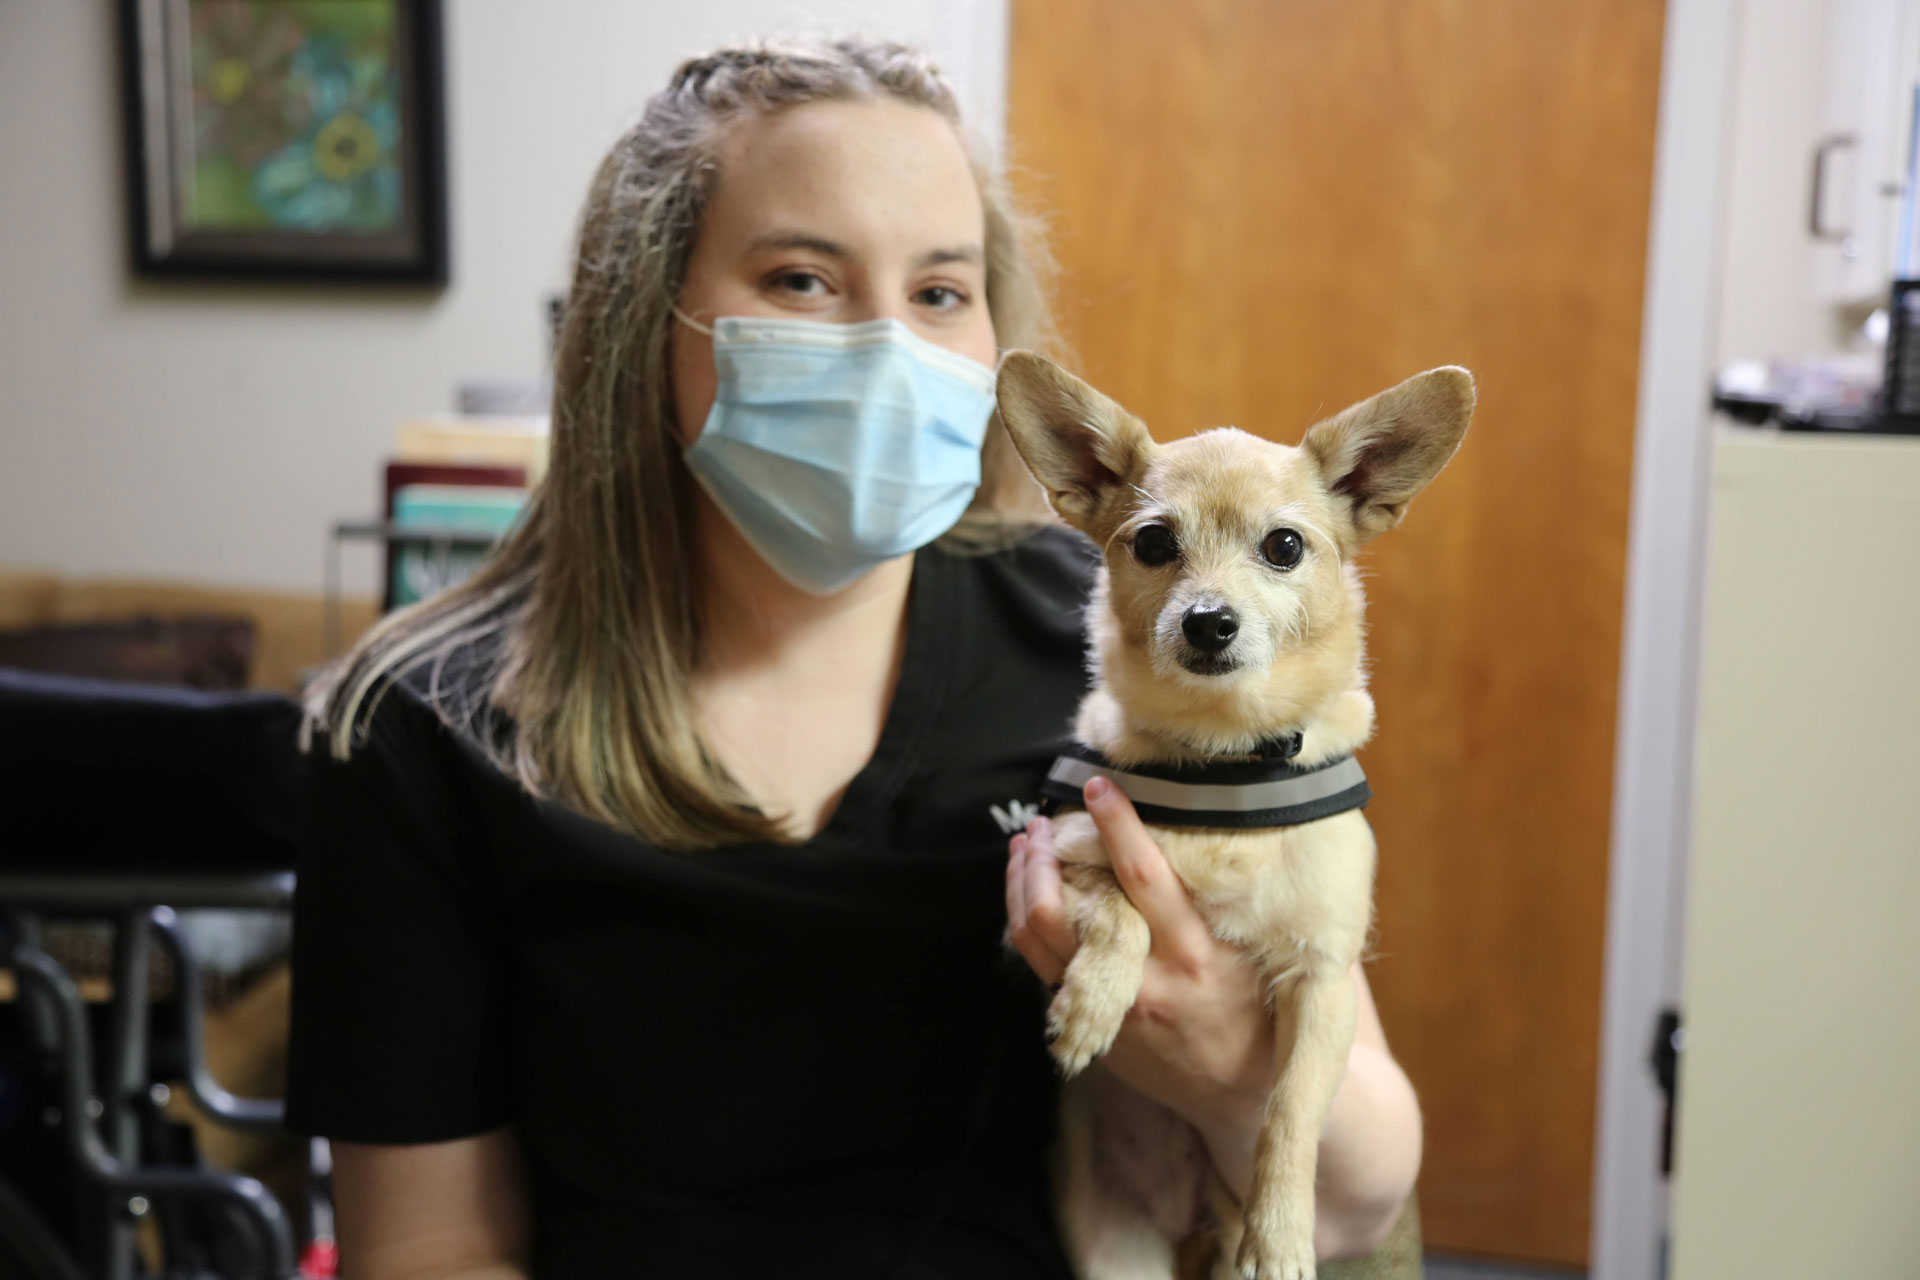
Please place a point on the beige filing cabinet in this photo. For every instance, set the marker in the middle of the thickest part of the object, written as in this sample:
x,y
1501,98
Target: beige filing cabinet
x,y
1798,1143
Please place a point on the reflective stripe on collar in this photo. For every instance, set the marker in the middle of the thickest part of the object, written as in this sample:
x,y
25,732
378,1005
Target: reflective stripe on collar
x,y
1235,795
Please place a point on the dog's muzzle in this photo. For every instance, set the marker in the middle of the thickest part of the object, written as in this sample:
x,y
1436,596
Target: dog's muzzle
x,y
1208,664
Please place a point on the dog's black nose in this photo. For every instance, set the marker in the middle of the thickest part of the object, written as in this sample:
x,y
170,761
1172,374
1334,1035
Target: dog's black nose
x,y
1210,630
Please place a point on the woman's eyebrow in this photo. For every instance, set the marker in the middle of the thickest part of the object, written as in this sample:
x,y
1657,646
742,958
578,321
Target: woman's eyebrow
x,y
957,253
784,239
800,240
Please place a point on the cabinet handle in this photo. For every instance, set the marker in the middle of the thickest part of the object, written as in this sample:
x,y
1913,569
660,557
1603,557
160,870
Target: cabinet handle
x,y
1828,145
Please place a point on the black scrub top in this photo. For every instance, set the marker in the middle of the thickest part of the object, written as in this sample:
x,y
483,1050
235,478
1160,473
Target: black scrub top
x,y
751,1061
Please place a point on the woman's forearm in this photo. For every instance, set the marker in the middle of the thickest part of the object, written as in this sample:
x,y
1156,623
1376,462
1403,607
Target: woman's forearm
x,y
454,1210
1369,1153
1201,1038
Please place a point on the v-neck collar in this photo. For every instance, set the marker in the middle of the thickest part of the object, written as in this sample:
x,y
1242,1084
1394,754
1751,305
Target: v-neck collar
x,y
918,696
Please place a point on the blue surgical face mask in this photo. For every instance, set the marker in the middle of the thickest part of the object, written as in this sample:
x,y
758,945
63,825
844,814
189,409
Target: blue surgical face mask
x,y
834,447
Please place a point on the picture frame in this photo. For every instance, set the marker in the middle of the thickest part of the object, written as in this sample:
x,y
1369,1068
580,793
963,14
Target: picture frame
x,y
286,139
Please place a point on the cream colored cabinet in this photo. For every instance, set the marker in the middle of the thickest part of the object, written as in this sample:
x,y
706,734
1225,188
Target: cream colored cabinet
x,y
1859,168
1798,1140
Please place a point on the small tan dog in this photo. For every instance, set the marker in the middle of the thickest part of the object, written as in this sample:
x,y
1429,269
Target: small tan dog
x,y
1228,698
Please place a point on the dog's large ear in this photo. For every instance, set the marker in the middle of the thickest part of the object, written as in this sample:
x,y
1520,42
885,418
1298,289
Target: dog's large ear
x,y
1078,444
1381,452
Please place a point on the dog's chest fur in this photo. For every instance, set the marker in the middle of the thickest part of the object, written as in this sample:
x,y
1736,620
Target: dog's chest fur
x,y
1293,896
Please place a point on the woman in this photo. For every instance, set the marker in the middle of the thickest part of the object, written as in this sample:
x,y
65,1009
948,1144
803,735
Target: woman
x,y
651,919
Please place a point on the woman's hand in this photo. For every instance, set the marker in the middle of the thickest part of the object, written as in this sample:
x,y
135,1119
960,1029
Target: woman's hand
x,y
1200,1038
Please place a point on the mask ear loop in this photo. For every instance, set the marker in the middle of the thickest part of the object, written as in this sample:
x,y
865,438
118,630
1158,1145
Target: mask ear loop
x,y
690,322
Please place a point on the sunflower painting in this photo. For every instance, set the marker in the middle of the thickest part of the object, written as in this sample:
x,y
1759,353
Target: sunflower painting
x,y
287,137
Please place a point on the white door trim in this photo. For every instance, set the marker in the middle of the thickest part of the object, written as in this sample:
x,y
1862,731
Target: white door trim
x,y
1653,756
970,43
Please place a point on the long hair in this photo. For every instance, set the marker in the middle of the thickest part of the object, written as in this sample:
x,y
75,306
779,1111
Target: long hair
x,y
585,616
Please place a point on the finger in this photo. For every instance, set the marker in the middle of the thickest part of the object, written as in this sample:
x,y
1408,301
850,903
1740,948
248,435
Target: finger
x,y
1016,883
1143,872
1046,966
1046,895
1020,934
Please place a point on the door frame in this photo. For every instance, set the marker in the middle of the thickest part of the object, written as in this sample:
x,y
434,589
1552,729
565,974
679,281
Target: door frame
x,y
1660,635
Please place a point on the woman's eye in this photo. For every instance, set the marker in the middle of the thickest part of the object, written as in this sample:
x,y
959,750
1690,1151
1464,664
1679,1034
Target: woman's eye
x,y
1155,545
804,283
940,297
1283,548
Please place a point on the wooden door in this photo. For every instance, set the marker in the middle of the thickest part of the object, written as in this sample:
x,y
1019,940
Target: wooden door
x,y
1267,209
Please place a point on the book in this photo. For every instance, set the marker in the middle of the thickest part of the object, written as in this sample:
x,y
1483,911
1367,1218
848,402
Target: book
x,y
476,440
400,475
426,569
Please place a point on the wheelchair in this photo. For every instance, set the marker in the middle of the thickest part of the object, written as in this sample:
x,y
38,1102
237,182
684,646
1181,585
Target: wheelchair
x,y
125,805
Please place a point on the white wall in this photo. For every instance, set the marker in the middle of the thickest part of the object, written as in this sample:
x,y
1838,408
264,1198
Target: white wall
x,y
211,433
1767,305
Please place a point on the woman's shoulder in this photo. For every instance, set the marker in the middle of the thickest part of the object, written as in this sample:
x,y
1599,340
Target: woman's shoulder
x,y
1043,576
455,682
1053,556
1011,665
431,715
1022,605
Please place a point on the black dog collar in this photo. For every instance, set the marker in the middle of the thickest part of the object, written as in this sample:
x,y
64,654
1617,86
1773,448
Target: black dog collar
x,y
1267,791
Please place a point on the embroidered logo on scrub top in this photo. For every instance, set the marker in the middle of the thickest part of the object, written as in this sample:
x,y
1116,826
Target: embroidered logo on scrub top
x,y
1015,816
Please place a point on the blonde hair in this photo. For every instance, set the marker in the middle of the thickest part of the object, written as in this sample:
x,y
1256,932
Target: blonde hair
x,y
585,614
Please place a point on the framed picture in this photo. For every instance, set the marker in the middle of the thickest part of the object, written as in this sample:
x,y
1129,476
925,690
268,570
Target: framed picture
x,y
286,138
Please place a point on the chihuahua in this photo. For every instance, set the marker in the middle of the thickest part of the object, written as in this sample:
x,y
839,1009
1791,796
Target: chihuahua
x,y
1227,700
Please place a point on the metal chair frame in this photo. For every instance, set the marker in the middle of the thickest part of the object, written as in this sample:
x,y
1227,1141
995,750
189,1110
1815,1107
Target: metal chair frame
x,y
100,1126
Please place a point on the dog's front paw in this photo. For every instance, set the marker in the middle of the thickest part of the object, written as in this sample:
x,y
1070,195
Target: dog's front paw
x,y
1271,1258
1081,1027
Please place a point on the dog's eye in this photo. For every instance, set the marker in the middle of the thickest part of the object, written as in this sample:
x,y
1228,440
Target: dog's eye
x,y
1154,546
1283,548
